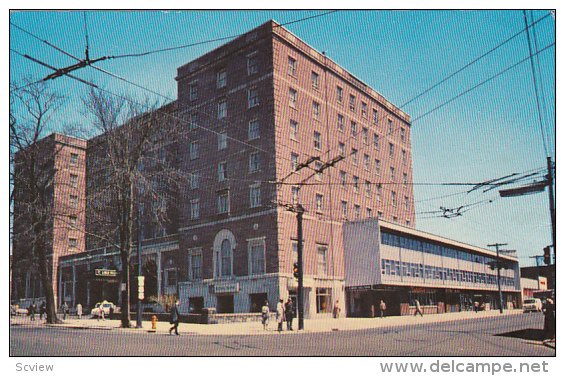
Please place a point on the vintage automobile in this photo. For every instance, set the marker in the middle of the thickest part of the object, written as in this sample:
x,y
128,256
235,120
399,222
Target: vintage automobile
x,y
107,307
532,305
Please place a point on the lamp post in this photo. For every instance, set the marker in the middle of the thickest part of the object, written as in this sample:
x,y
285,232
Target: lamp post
x,y
139,235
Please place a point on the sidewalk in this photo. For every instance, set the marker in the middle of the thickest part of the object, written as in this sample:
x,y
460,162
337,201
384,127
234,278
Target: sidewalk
x,y
255,328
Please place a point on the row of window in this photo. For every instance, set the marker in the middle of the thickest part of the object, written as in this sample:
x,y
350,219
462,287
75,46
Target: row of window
x,y
223,201
408,269
433,248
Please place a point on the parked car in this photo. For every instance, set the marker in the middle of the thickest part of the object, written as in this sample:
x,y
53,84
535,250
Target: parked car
x,y
107,307
532,305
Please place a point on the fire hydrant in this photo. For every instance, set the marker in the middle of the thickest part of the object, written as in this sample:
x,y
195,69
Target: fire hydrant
x,y
153,322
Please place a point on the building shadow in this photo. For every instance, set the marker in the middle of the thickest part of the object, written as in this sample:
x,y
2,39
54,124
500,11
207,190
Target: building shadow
x,y
529,334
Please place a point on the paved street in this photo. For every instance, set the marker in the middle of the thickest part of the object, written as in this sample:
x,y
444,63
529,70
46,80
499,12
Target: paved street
x,y
474,336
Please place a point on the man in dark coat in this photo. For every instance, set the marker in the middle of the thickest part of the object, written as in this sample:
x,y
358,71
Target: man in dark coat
x,y
549,319
175,317
289,313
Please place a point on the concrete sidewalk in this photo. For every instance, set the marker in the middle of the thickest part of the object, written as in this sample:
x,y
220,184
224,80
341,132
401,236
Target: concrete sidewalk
x,y
255,328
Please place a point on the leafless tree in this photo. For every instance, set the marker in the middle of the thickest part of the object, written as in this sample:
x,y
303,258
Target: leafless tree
x,y
131,165
32,107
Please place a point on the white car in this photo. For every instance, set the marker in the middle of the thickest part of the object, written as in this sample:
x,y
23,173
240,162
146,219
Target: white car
x,y
532,305
107,307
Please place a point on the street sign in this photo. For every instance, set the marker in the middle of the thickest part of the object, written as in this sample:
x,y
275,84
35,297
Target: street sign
x,y
140,287
105,273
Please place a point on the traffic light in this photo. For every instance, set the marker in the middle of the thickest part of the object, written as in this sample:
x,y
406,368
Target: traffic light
x,y
547,255
295,270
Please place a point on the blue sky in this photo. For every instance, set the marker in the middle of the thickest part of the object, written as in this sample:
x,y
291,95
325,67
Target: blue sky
x,y
488,133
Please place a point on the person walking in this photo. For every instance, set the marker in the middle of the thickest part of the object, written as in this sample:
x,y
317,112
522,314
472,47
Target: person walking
x,y
265,315
280,315
175,317
418,308
289,313
549,320
42,310
382,308
476,306
79,311
336,309
31,311
65,309
101,313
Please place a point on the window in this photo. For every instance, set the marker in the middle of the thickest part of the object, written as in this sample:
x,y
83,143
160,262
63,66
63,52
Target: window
x,y
222,141
343,178
315,80
195,267
376,141
339,92
74,158
193,121
365,133
254,195
292,96
252,98
318,168
344,209
195,209
256,249
73,180
357,212
405,179
379,192
224,259
194,150
254,162
404,157
293,130
223,202
294,161
253,130
390,127
354,157
369,213
317,140
393,198
368,191
316,110
391,150
291,66
353,129
340,126
395,219
406,202
375,117
73,243
341,148
319,202
392,174
222,171
366,161
222,109
72,221
379,214
295,192
356,184
252,66
323,300
322,260
193,91
73,201
364,109
402,134
221,79
352,102
378,167
195,180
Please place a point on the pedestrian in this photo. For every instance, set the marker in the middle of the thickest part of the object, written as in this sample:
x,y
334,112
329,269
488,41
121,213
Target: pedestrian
x,y
101,313
418,308
336,310
31,311
42,310
382,308
476,306
175,317
79,311
549,319
265,315
289,313
65,309
280,315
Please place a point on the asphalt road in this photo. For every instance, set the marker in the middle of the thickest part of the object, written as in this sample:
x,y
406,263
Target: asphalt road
x,y
512,335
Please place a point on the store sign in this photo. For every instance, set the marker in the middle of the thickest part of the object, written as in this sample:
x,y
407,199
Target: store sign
x,y
105,273
359,288
225,288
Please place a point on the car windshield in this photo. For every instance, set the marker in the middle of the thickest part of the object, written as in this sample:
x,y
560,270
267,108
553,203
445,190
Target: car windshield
x,y
529,301
107,305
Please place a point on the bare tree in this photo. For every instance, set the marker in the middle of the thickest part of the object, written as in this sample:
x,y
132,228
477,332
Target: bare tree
x,y
131,164
32,107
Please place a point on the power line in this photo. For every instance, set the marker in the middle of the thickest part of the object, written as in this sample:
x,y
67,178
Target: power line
x,y
471,63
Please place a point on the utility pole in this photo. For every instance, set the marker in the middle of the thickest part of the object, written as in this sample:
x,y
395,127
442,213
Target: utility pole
x,y
139,232
551,199
300,293
498,266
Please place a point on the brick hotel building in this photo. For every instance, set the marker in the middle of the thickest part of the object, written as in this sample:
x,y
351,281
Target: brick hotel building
x,y
257,108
